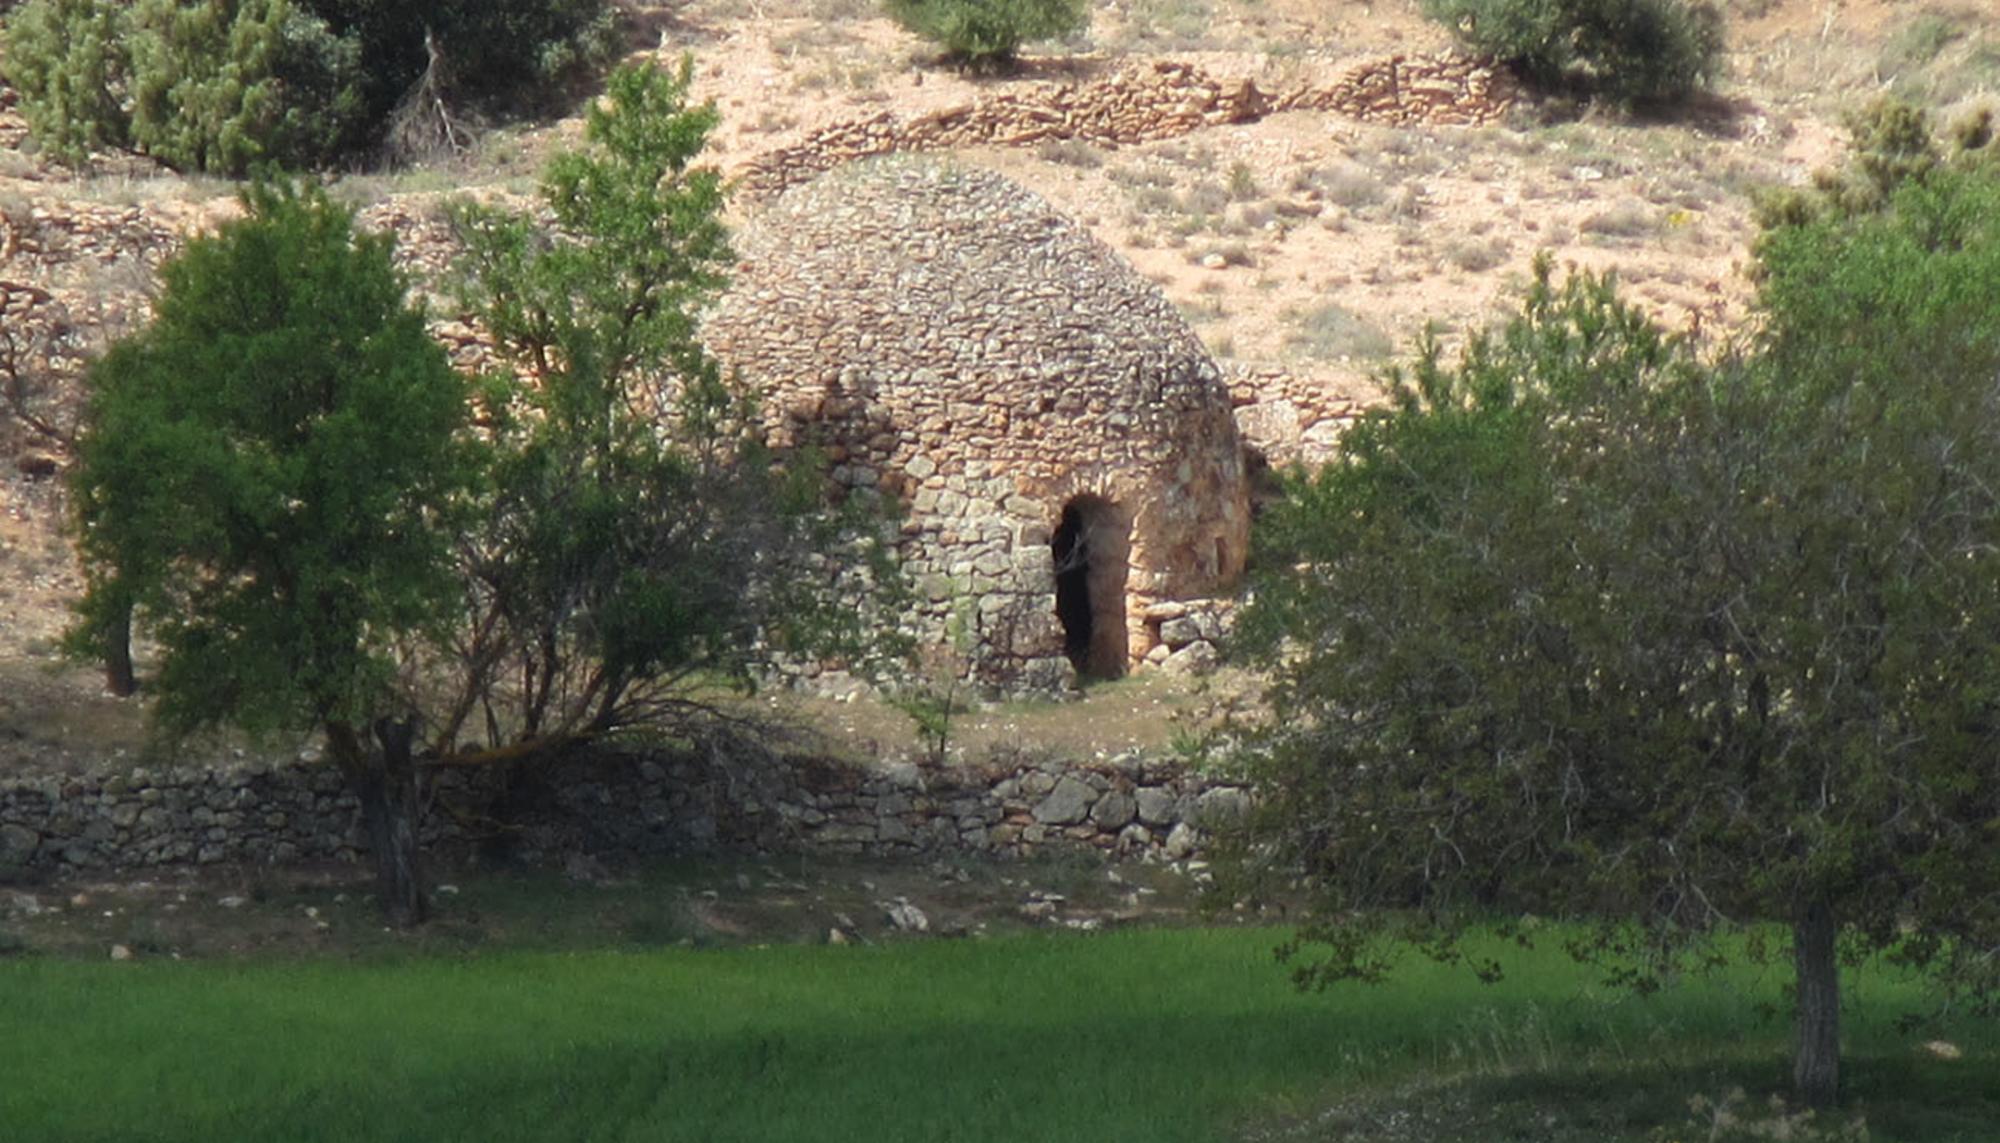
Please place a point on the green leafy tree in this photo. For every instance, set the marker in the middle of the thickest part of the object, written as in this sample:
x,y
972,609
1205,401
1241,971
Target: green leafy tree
x,y
1585,626
222,85
1638,53
267,474
989,33
210,85
68,61
639,538
282,478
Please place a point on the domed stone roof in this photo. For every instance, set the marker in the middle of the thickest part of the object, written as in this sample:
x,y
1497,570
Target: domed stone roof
x,y
954,282
1040,409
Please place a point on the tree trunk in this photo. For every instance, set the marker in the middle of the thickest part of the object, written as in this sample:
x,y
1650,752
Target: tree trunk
x,y
1816,1066
384,779
119,678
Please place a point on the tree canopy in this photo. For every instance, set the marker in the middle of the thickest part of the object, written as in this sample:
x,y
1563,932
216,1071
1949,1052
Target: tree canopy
x,y
638,536
327,528
267,474
1587,625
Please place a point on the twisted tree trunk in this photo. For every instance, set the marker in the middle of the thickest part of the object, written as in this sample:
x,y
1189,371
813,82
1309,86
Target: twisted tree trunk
x,y
384,779
119,677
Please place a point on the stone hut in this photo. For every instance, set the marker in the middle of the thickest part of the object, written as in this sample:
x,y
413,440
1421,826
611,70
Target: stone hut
x,y
1061,444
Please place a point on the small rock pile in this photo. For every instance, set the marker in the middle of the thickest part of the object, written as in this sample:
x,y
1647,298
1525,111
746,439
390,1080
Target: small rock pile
x,y
1163,99
1188,633
78,232
1441,90
19,301
13,128
1287,417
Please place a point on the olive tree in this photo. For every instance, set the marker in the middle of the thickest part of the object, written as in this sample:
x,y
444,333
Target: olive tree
x,y
1588,626
267,475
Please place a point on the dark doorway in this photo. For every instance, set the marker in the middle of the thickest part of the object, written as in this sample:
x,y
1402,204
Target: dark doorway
x,y
1091,545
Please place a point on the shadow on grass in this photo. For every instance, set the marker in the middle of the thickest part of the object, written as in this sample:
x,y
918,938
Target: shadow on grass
x,y
1888,1100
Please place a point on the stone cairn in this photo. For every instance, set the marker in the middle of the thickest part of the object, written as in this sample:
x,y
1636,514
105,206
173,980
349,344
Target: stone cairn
x,y
1163,99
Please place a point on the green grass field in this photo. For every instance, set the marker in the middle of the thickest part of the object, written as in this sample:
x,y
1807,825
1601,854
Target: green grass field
x,y
1144,1035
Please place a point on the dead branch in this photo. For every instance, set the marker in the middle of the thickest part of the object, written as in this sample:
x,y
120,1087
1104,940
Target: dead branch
x,y
424,127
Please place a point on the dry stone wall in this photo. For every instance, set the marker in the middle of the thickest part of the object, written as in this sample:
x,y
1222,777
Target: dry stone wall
x,y
1144,102
620,807
1449,89
1289,418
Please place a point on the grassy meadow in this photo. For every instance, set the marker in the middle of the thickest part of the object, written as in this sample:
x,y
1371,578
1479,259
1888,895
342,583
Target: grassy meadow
x,y
1156,1035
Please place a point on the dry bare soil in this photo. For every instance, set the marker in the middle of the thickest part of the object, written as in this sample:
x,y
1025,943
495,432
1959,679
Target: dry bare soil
x,y
1306,243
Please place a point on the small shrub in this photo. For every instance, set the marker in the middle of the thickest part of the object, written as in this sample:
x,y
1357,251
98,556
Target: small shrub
x,y
1331,331
1409,205
1243,183
1629,219
1208,302
1170,25
1204,198
1344,184
1476,254
658,924
1918,43
989,33
147,938
1635,53
1892,144
1224,254
1070,153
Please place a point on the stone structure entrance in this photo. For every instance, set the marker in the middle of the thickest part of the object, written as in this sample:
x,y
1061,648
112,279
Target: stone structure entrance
x,y
1091,546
